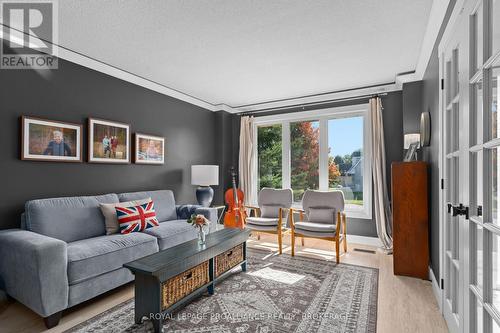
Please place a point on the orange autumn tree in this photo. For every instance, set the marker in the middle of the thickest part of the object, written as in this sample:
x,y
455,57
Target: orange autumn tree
x,y
304,144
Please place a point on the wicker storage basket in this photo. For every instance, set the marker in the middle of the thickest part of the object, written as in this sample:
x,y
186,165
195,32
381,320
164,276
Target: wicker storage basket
x,y
229,259
178,287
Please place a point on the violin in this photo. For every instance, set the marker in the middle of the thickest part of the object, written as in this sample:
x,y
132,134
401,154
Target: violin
x,y
236,214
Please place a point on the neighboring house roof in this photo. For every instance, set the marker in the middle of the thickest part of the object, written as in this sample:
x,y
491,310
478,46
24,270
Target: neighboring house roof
x,y
352,170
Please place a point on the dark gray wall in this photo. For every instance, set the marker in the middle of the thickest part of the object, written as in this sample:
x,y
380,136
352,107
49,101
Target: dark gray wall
x,y
393,135
73,93
430,102
227,132
412,107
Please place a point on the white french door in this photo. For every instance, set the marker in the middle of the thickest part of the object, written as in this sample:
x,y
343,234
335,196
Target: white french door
x,y
470,66
455,164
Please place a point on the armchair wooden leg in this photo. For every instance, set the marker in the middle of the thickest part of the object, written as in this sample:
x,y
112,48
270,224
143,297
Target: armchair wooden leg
x,y
280,242
337,250
258,236
345,234
293,243
302,240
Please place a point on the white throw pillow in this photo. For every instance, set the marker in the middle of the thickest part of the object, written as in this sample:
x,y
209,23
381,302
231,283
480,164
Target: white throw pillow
x,y
322,215
109,212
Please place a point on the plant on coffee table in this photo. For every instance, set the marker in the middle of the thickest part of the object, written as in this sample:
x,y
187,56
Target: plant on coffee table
x,y
199,221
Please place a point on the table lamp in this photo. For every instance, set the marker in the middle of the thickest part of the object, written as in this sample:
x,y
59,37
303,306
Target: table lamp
x,y
204,176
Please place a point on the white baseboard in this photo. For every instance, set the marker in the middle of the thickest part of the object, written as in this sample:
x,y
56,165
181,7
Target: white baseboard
x,y
373,241
436,288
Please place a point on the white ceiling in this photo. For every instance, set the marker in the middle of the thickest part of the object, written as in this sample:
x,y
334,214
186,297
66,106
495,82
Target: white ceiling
x,y
240,52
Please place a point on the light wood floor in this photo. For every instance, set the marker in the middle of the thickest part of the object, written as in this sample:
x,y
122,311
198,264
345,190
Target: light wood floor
x,y
404,304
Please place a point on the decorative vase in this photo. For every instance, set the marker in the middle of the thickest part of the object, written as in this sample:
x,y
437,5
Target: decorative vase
x,y
201,235
205,195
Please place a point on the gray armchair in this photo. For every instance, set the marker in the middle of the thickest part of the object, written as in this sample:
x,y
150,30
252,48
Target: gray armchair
x,y
274,206
325,219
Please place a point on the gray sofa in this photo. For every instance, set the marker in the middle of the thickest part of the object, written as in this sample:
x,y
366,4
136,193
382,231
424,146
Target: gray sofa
x,y
62,256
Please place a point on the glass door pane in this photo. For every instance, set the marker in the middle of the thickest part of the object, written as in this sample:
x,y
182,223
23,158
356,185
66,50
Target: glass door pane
x,y
495,15
494,185
477,256
346,159
495,257
496,328
477,24
304,157
269,150
477,114
479,317
476,186
494,102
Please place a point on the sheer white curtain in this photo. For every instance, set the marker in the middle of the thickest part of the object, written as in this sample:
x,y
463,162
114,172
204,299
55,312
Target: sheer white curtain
x,y
383,215
247,173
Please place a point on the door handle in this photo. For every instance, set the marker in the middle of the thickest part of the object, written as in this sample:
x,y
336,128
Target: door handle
x,y
459,210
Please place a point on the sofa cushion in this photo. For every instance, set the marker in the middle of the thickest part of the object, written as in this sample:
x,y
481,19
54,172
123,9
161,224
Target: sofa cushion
x,y
91,257
68,219
137,218
164,202
172,233
109,212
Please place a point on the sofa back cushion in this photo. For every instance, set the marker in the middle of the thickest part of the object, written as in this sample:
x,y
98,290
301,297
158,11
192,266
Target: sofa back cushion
x,y
109,212
163,199
68,219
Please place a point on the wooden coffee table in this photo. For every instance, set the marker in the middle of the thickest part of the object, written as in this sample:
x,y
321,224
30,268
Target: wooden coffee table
x,y
172,277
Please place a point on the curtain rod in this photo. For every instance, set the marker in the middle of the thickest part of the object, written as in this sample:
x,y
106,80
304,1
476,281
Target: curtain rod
x,y
303,105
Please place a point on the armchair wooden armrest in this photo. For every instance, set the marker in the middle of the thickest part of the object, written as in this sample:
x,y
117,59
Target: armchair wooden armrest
x,y
254,208
296,210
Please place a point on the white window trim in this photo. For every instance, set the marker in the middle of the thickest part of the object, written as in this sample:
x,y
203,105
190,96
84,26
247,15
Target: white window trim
x,y
322,116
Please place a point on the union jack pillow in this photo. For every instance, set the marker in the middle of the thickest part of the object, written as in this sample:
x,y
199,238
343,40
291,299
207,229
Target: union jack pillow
x,y
137,218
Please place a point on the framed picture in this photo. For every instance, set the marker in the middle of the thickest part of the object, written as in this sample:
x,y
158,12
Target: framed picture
x,y
50,140
411,152
109,141
149,149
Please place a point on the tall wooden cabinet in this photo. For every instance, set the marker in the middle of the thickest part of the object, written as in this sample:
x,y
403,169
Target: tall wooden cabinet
x,y
410,219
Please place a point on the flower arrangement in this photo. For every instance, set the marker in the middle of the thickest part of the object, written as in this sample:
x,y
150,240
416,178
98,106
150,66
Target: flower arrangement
x,y
199,221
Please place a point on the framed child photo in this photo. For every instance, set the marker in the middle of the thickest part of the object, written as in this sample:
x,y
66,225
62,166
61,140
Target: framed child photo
x,y
149,149
50,140
109,141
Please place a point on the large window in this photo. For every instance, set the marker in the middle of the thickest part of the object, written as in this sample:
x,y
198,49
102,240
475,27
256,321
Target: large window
x,y
322,150
269,156
304,157
346,160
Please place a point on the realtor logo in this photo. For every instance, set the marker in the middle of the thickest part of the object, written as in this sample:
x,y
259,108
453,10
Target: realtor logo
x,y
29,33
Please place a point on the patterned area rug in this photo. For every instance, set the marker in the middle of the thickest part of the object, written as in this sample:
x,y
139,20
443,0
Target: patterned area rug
x,y
277,294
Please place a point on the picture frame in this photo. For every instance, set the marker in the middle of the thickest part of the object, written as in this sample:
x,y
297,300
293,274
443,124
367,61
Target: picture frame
x,y
109,141
149,149
50,140
411,152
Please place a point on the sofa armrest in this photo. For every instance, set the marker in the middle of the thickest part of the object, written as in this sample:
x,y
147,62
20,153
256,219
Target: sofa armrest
x,y
33,270
211,215
185,211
